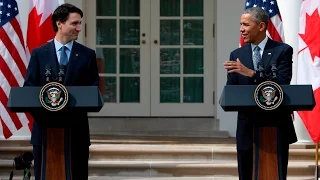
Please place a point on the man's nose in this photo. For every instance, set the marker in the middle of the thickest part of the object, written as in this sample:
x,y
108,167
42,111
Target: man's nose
x,y
78,28
241,29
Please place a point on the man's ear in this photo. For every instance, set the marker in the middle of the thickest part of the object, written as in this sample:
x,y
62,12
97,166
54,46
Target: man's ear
x,y
58,23
263,26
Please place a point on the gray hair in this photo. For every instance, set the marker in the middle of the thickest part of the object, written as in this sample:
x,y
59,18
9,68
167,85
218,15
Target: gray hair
x,y
258,14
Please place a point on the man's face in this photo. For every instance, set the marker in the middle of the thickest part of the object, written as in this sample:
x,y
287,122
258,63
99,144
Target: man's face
x,y
250,29
71,28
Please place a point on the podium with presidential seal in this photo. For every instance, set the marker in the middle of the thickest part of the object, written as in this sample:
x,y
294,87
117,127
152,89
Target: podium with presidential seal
x,y
52,104
267,99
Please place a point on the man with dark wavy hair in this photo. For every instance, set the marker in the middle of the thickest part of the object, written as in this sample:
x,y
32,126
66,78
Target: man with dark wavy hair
x,y
81,71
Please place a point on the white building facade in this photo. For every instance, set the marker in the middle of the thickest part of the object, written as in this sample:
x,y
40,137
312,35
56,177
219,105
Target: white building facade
x,y
161,64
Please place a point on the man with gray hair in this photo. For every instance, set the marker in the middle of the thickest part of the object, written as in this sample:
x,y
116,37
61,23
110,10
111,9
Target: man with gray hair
x,y
242,68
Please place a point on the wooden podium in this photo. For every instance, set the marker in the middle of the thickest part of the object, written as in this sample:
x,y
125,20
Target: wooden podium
x,y
56,155
266,163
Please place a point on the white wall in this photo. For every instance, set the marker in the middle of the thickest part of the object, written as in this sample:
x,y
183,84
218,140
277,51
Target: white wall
x,y
227,35
227,39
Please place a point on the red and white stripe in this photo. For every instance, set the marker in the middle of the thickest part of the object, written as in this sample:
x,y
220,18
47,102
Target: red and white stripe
x,y
13,65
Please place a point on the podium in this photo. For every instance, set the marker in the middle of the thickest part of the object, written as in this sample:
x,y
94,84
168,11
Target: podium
x,y
266,164
56,161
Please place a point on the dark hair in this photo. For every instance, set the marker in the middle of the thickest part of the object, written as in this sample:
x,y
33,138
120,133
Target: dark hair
x,y
258,14
62,13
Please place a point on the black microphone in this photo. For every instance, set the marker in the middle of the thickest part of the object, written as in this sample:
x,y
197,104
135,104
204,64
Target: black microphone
x,y
274,70
261,69
61,74
48,72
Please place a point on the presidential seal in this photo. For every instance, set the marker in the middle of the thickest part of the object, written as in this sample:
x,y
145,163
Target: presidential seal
x,y
268,95
53,96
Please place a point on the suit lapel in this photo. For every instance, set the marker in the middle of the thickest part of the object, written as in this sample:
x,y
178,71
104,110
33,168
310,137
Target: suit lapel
x,y
247,60
74,56
267,53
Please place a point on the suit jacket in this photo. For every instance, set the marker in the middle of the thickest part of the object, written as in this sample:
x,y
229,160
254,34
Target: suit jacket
x,y
273,53
81,71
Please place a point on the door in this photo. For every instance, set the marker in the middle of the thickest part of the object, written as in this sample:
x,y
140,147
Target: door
x,y
182,58
118,30
155,57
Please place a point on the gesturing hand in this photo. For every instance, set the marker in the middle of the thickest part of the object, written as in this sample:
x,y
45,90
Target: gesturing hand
x,y
238,67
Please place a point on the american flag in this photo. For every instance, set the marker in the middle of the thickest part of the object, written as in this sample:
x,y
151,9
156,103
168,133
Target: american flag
x,y
275,28
13,65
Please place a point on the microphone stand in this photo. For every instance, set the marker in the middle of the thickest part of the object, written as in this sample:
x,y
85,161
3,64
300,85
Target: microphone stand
x,y
61,73
274,71
48,73
261,70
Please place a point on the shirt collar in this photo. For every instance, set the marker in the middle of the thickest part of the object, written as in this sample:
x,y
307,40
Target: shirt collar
x,y
261,45
58,45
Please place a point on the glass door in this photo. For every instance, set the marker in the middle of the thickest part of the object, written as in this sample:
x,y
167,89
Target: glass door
x,y
182,79
119,31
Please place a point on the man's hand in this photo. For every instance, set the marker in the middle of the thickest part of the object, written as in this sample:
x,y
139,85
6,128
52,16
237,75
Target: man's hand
x,y
238,67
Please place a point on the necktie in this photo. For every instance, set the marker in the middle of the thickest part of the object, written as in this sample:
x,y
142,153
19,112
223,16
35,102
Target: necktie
x,y
63,56
256,57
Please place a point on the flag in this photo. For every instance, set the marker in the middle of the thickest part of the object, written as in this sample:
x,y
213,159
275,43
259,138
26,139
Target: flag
x,y
13,65
40,29
308,62
275,27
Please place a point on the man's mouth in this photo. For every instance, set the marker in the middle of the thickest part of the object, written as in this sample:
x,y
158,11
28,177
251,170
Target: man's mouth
x,y
244,35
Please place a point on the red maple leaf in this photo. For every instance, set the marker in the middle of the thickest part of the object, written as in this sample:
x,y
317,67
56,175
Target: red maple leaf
x,y
312,34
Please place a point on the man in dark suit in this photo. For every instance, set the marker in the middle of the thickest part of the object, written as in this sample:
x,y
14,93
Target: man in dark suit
x,y
81,71
242,68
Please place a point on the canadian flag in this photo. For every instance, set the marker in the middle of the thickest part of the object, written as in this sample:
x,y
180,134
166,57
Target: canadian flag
x,y
40,29
308,65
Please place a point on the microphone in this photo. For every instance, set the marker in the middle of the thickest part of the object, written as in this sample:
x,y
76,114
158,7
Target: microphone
x,y
48,72
274,70
261,69
61,74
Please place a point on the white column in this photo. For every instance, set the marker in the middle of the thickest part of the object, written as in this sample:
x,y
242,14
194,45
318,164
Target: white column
x,y
290,13
227,39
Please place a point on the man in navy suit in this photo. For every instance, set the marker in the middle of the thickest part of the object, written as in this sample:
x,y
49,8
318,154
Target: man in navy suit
x,y
242,68
81,71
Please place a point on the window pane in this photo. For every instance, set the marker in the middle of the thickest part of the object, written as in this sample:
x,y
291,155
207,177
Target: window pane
x,y
129,7
170,32
170,61
129,61
109,89
107,60
106,32
106,7
193,61
193,7
170,90
129,89
193,89
129,32
170,8
193,32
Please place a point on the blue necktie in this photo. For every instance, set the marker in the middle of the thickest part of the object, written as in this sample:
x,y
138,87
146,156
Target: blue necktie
x,y
256,57
63,56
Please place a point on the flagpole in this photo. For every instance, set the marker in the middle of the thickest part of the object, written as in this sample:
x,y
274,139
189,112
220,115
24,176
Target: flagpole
x,y
317,159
